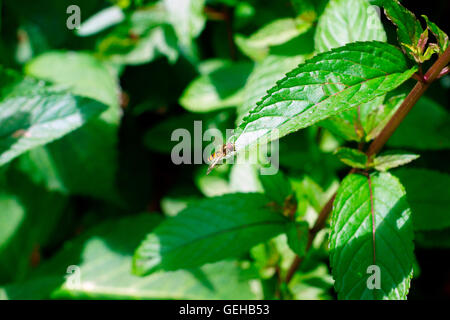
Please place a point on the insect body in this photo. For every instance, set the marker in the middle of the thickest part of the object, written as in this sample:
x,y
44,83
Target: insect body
x,y
224,150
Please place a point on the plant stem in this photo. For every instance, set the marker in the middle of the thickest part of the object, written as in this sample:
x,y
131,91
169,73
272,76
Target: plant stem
x,y
418,90
376,145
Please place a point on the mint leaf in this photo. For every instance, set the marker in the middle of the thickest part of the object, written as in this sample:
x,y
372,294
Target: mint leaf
x,y
360,200
144,35
32,115
325,85
82,74
93,148
30,216
263,76
187,19
103,255
393,159
217,89
352,157
409,29
346,21
275,33
211,230
441,36
100,21
297,237
276,187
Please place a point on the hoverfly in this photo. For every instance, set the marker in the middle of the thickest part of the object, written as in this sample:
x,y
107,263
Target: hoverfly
x,y
223,151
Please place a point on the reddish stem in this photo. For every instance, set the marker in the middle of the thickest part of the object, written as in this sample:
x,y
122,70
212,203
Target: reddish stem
x,y
419,89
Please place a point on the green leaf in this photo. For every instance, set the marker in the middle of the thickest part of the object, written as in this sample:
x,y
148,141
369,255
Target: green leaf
x,y
276,187
314,284
29,217
427,127
244,177
441,36
92,149
143,36
346,21
428,193
262,78
409,29
211,230
221,88
393,159
82,74
187,18
158,138
308,193
214,184
352,157
33,115
351,239
324,86
275,33
104,254
375,119
297,237
100,21
171,206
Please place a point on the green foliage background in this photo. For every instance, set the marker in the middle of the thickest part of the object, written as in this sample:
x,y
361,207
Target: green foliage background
x,y
92,207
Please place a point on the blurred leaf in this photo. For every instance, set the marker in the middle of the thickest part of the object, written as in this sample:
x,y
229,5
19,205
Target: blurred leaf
x,y
50,17
287,109
100,21
103,256
213,185
188,20
393,159
220,88
82,74
428,193
297,237
276,187
230,225
93,149
427,127
33,115
275,33
142,37
28,215
359,201
346,21
312,285
352,157
172,206
244,177
308,193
